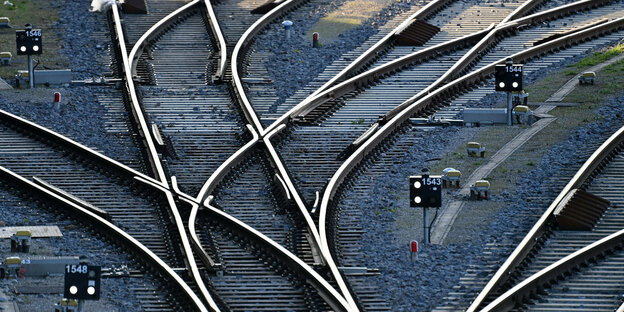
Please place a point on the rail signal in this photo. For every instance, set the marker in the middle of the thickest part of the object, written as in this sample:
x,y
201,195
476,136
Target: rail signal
x,y
425,191
29,41
508,77
82,281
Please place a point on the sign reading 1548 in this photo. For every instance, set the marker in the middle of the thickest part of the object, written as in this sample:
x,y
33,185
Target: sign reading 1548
x,y
76,268
82,281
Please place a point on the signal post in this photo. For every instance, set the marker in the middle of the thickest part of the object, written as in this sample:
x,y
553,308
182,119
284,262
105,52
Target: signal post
x,y
508,78
426,192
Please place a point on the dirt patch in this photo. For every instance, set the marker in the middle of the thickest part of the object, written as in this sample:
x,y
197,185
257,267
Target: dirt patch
x,y
349,15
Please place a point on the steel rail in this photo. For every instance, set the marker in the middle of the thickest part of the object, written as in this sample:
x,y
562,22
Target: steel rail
x,y
228,165
382,44
317,242
242,47
363,79
109,229
524,248
220,39
153,32
186,245
210,264
542,279
523,9
137,112
71,145
295,264
352,84
438,96
140,117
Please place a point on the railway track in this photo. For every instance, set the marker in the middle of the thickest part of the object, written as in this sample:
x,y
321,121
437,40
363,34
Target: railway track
x,y
357,158
568,267
97,191
237,267
271,247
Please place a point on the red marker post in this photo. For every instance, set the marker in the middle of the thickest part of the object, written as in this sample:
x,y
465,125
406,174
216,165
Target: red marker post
x,y
57,100
414,250
315,40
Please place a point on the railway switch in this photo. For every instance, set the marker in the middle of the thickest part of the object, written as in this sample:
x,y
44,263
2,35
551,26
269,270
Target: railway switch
x,y
587,78
480,190
20,241
11,265
5,58
475,149
4,22
450,176
66,305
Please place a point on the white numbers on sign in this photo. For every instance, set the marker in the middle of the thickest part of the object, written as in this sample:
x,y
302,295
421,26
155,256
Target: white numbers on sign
x,y
432,181
33,33
76,268
513,69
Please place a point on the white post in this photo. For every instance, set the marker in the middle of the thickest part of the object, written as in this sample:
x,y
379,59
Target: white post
x,y
31,72
509,108
426,225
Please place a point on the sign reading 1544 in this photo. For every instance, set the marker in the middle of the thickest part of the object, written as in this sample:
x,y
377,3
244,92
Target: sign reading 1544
x,y
513,68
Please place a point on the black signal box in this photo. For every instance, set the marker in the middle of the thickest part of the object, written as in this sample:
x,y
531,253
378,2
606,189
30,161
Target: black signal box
x,y
82,281
425,191
28,41
508,77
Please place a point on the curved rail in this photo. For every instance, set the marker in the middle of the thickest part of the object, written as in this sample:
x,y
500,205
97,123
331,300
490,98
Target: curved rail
x,y
220,39
72,145
241,48
363,79
540,280
325,290
144,130
226,166
110,229
382,44
438,96
138,113
151,34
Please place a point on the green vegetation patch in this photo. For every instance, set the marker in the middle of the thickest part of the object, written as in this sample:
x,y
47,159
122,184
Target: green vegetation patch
x,y
41,14
349,15
541,91
599,57
504,178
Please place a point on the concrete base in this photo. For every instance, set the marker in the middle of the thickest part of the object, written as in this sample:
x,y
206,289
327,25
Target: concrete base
x,y
485,116
45,77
